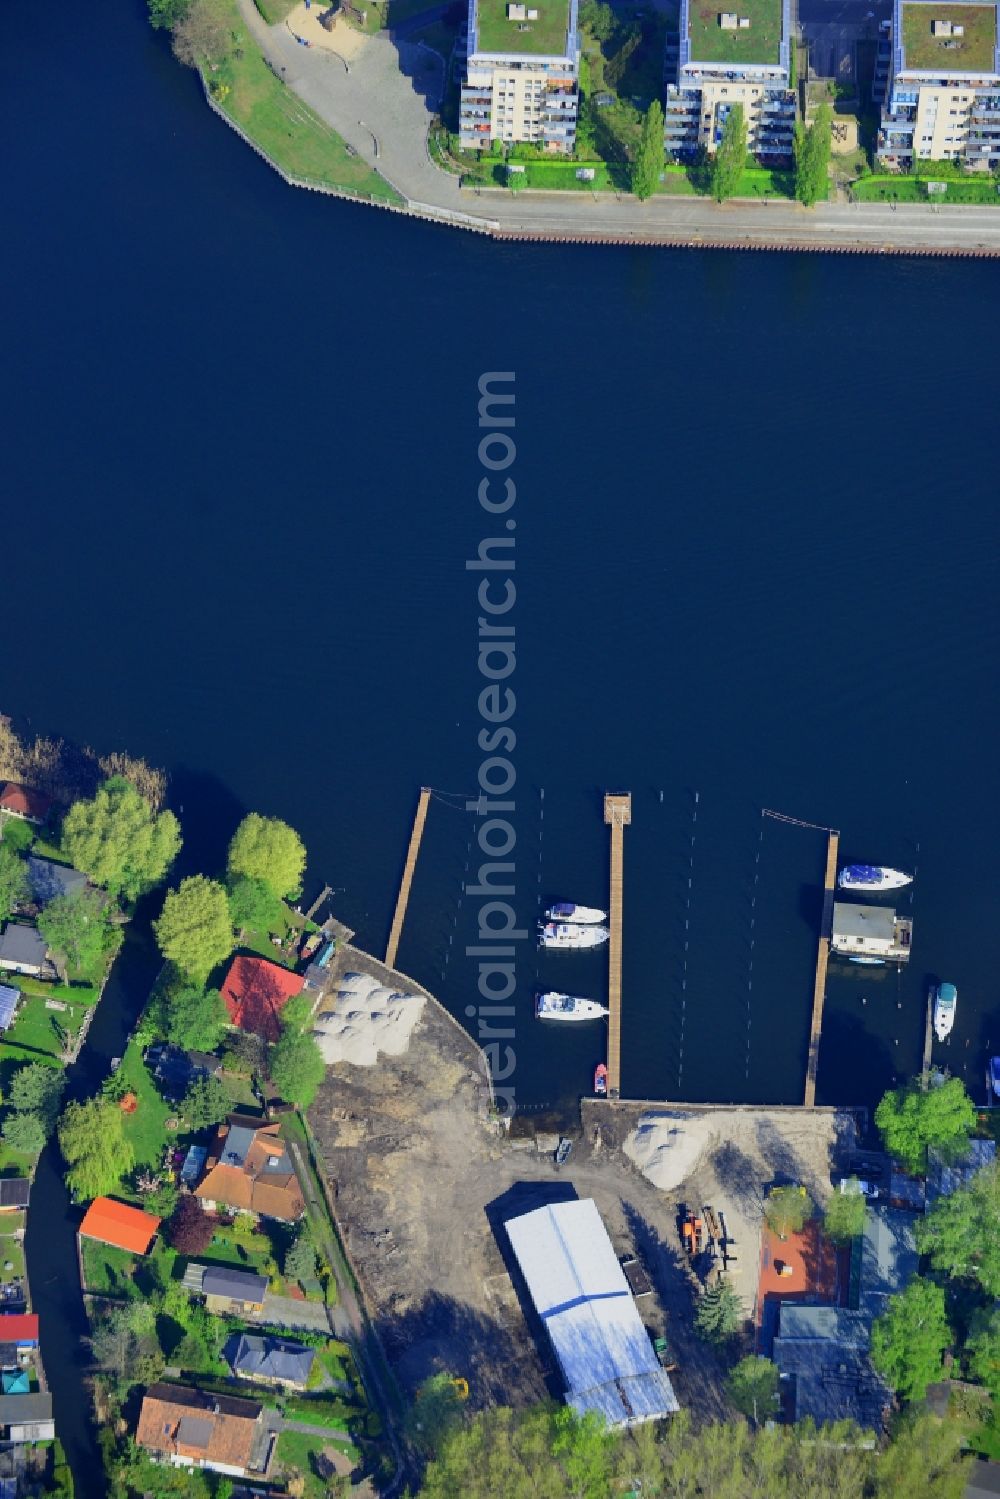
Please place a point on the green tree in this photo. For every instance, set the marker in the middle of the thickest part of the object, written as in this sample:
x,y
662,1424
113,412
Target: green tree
x,y
812,156
37,1089
17,834
925,1457
165,14
649,158
24,1132
300,1259
435,1415
95,1148
787,1210
296,1066
719,1313
910,1119
730,159
907,1341
124,1342
14,887
205,1103
195,1018
194,929
752,1386
267,849
253,904
79,926
119,841
959,1234
983,1349
844,1218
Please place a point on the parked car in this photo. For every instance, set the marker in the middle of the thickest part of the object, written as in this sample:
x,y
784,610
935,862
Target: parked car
x,y
849,1184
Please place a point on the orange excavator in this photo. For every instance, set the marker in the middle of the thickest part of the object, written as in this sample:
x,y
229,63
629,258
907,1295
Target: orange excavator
x,y
692,1230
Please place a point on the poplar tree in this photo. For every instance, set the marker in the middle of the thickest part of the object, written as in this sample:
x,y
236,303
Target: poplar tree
x,y
730,159
649,159
812,156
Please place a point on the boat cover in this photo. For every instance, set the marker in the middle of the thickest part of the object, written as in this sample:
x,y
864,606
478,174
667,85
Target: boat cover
x,y
863,874
562,909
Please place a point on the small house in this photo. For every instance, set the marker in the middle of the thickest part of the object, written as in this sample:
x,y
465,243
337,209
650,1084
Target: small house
x,y
249,1170
874,932
274,1361
255,992
14,1193
233,1292
21,1329
9,1000
191,1428
119,1225
23,950
27,1418
193,1164
175,1070
25,803
49,879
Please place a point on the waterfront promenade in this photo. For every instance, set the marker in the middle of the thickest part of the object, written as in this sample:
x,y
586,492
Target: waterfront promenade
x,y
380,98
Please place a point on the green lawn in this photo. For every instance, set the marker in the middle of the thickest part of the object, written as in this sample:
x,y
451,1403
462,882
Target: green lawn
x,y
275,11
759,43
11,1255
145,1129
898,189
291,134
384,14
236,1252
545,36
40,1029
296,1454
554,176
972,52
106,1270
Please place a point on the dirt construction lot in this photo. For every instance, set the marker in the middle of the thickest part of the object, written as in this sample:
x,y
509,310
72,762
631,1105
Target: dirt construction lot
x,y
423,1185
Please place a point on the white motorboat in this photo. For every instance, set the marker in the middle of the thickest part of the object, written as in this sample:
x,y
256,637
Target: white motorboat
x,y
571,934
578,915
945,1007
866,959
872,877
554,1006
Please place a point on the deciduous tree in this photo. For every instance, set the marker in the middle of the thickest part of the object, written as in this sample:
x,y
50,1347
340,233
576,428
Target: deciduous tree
x,y
194,929
649,157
753,1388
910,1119
907,1341
195,1018
37,1089
959,1234
205,1103
95,1148
983,1349
253,904
14,886
79,926
190,1229
730,159
119,841
787,1210
296,1067
202,34
844,1217
267,849
24,1132
812,156
300,1259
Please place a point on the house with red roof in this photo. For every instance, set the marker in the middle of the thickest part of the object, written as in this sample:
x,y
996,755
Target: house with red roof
x,y
22,801
20,1329
119,1225
256,991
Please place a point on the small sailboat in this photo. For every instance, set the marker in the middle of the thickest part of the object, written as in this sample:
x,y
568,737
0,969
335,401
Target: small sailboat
x,y
571,934
872,877
945,1007
553,1006
580,915
601,1080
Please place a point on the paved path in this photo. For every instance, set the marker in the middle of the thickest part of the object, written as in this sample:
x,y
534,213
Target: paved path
x,y
288,1311
392,87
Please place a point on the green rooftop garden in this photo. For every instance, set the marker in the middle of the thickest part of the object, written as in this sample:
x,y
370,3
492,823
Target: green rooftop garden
x,y
760,42
972,52
543,37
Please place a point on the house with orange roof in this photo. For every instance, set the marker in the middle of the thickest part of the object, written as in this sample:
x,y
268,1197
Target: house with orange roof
x,y
192,1428
119,1225
256,991
249,1170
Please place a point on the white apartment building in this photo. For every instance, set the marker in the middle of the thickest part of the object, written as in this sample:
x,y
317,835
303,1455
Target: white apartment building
x,y
943,94
522,75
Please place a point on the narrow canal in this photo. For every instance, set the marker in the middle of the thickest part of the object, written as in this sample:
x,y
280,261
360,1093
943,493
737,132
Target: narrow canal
x,y
50,1243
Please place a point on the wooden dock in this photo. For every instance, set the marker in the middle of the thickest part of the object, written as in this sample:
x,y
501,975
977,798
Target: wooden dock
x,y
617,814
323,895
822,959
399,915
925,1066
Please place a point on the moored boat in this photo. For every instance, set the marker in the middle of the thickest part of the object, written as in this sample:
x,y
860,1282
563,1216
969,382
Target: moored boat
x,y
601,1080
579,915
872,877
945,1006
563,1150
866,960
994,1076
553,1006
571,934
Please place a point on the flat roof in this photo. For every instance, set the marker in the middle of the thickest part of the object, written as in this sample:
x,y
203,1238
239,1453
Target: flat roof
x,y
580,1292
544,37
760,42
973,52
875,922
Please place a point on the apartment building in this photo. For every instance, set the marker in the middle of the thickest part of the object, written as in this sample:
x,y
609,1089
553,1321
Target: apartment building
x,y
942,100
728,57
522,75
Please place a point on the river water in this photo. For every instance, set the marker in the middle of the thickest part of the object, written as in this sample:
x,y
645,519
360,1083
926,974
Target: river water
x,y
756,540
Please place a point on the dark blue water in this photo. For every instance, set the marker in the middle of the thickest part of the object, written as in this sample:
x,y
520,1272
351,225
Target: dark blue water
x,y
755,560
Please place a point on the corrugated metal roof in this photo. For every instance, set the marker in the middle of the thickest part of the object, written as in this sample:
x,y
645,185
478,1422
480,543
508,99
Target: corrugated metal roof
x,y
581,1294
9,998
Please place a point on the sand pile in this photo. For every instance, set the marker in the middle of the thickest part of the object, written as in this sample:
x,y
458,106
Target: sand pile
x,y
667,1146
364,1019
